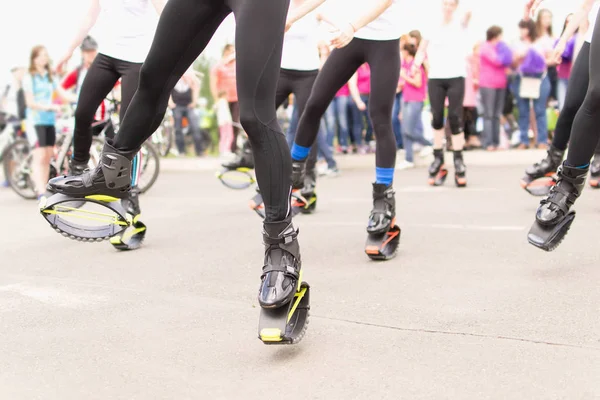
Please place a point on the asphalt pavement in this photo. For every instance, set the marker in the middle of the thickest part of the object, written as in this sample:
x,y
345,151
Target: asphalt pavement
x,y
467,310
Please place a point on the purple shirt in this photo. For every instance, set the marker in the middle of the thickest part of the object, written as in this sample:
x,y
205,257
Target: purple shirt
x,y
564,68
494,58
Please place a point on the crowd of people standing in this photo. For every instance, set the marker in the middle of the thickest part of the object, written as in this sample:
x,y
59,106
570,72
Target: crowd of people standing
x,y
506,93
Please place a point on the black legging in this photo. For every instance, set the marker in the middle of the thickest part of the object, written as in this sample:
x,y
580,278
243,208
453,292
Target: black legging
x,y
184,29
454,90
99,81
300,84
384,59
586,126
576,90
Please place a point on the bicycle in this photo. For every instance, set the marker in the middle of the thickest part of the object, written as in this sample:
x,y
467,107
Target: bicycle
x,y
163,138
17,158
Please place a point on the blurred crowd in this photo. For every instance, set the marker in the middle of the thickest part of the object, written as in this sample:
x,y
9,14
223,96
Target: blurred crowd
x,y
499,111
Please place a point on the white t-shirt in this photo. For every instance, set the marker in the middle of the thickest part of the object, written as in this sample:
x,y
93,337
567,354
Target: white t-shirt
x,y
447,50
126,29
592,19
385,27
300,45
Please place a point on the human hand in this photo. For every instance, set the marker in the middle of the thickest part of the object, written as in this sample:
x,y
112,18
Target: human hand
x,y
558,51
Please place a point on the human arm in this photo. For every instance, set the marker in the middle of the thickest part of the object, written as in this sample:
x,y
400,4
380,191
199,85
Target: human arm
x,y
415,79
65,96
159,5
299,12
355,94
346,32
490,54
466,19
420,56
576,20
87,22
194,84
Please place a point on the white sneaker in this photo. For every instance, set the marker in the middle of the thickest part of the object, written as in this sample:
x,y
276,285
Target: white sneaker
x,y
405,165
332,172
426,151
322,169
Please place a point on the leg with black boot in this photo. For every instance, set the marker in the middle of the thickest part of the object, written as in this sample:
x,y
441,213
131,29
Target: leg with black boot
x,y
383,231
456,94
283,296
554,215
260,26
438,90
540,177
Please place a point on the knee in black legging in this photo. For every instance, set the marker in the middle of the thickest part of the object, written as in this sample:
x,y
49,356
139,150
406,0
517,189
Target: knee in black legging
x,y
315,109
84,116
148,82
381,120
455,124
254,126
437,121
592,98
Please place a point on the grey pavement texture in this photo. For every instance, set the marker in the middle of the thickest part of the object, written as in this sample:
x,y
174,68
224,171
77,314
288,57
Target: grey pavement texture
x,y
468,309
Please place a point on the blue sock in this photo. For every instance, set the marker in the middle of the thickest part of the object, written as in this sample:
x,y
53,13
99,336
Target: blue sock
x,y
384,175
299,153
579,166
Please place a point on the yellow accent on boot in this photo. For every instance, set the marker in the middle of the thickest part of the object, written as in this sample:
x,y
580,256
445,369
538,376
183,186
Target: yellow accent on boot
x,y
101,197
270,335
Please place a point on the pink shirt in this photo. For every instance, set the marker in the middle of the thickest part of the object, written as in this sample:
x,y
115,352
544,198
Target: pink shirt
x,y
492,73
364,79
343,92
411,93
225,75
564,70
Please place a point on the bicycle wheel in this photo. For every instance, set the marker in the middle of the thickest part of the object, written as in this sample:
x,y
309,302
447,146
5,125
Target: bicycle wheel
x,y
150,167
162,139
95,152
17,168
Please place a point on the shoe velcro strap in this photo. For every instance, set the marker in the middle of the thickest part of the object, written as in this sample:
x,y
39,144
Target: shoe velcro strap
x,y
87,179
561,198
287,270
287,239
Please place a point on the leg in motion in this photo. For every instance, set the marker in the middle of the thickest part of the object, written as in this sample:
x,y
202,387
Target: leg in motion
x,y
456,95
338,69
438,90
575,95
554,215
99,81
171,53
384,59
259,42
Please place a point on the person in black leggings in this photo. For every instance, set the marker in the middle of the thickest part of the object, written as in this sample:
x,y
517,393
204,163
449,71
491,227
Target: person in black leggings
x,y
575,96
381,50
184,30
584,138
121,59
445,47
